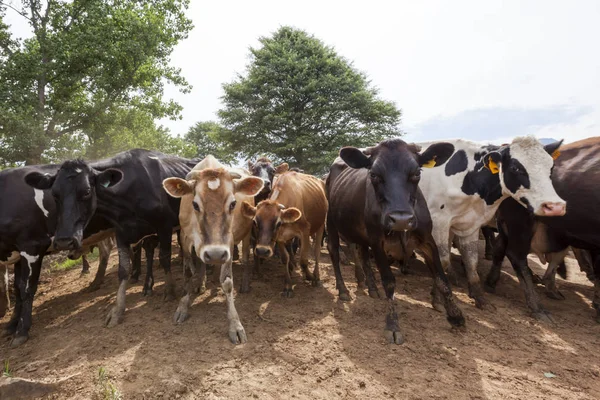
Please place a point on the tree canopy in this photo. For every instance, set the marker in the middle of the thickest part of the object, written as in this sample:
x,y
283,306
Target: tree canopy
x,y
206,138
300,102
88,69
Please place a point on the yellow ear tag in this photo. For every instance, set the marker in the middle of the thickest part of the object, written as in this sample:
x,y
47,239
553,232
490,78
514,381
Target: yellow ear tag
x,y
430,163
555,154
179,186
492,166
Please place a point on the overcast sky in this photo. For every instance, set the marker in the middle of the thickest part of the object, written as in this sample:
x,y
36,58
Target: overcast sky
x,y
482,70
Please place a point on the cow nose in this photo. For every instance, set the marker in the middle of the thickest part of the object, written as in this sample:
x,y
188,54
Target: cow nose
x,y
216,255
554,209
400,221
65,243
263,251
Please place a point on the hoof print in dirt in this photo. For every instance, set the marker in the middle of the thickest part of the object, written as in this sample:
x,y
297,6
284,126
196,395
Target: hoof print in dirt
x,y
544,316
393,337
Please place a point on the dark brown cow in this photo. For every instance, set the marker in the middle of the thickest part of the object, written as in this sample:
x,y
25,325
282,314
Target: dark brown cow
x,y
375,202
296,209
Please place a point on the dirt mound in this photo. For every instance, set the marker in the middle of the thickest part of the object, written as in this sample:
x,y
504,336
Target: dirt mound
x,y
310,346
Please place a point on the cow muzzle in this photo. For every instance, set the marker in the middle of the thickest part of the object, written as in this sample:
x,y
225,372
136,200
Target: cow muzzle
x,y
263,251
554,209
400,221
215,255
66,243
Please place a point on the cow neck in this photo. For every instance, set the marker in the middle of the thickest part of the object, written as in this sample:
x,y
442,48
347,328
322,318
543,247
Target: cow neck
x,y
482,182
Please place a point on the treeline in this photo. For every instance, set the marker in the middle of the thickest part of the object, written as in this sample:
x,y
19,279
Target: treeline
x,y
89,82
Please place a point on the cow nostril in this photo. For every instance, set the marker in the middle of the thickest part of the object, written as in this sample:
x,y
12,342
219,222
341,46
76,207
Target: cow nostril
x,y
224,255
206,255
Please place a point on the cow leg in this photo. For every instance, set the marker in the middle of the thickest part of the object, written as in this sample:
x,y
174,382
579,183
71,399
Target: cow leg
x,y
4,298
392,325
85,270
549,278
104,249
500,245
488,235
584,259
595,258
333,247
304,250
189,269
11,326
149,245
136,268
359,267
246,267
316,282
237,334
31,265
364,261
164,255
468,250
442,293
288,290
441,235
115,316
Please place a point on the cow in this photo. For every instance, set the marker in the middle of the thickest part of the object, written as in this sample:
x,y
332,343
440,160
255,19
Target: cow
x,y
211,223
296,209
465,194
124,194
375,202
264,169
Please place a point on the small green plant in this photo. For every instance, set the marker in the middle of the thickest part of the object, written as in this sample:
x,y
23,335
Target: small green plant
x,y
108,390
70,264
6,372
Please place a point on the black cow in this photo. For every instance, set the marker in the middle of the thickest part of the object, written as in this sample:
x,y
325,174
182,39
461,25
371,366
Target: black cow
x,y
575,177
378,187
123,193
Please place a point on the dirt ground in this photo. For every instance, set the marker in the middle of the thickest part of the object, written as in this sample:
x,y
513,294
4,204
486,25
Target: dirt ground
x,y
310,346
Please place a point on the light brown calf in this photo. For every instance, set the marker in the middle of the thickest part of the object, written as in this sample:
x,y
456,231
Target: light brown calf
x,y
297,207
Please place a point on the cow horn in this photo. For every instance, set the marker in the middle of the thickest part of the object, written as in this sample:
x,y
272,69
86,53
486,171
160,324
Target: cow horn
x,y
281,206
193,174
234,175
368,151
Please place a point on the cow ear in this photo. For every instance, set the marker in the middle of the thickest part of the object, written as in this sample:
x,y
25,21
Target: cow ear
x,y
250,165
552,149
40,181
248,210
355,158
491,161
177,187
108,178
436,154
250,186
290,215
282,168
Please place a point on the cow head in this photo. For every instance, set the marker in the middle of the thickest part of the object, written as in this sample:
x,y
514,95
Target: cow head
x,y
207,206
269,217
264,169
74,187
524,168
394,173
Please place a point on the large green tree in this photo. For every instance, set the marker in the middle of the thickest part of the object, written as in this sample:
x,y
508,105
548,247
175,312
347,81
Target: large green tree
x,y
86,61
207,138
300,101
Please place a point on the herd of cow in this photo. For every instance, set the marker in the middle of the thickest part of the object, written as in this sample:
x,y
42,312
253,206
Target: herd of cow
x,y
385,202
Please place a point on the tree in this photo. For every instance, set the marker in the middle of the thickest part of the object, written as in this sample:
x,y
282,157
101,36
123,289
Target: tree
x,y
86,60
206,137
300,102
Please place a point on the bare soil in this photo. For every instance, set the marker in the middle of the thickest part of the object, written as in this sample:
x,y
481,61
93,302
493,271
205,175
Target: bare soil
x,y
311,346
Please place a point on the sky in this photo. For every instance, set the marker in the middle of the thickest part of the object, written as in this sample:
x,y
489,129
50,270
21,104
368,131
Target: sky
x,y
481,70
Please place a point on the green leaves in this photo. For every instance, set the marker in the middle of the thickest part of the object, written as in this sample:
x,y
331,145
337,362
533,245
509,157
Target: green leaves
x,y
299,102
207,138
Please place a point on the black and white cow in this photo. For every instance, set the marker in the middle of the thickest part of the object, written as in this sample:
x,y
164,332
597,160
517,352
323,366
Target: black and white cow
x,y
465,194
123,193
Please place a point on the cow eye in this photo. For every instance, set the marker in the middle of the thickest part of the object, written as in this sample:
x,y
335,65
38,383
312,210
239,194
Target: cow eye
x,y
515,169
415,177
232,205
278,224
375,178
86,194
196,206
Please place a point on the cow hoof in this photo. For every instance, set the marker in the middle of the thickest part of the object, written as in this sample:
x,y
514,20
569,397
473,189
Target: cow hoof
x,y
93,287
544,316
288,293
536,279
18,340
393,337
169,295
84,272
555,295
201,289
238,335
361,286
438,305
374,294
345,296
147,292
405,270
457,321
489,288
309,276
317,283
180,315
114,318
484,305
488,256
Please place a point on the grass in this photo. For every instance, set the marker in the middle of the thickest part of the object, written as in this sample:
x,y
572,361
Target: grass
x,y
6,372
68,264
108,390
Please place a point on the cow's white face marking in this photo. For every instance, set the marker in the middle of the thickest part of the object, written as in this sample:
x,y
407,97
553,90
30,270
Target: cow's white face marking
x,y
39,200
153,157
78,170
214,184
30,260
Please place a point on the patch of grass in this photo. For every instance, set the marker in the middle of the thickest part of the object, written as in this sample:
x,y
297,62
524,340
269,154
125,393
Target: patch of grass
x,y
108,390
68,264
6,371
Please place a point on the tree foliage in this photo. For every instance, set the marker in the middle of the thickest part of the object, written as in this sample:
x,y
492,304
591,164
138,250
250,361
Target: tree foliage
x,y
206,138
299,102
88,63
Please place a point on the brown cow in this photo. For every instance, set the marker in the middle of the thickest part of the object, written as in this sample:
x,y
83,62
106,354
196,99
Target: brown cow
x,y
297,207
206,215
